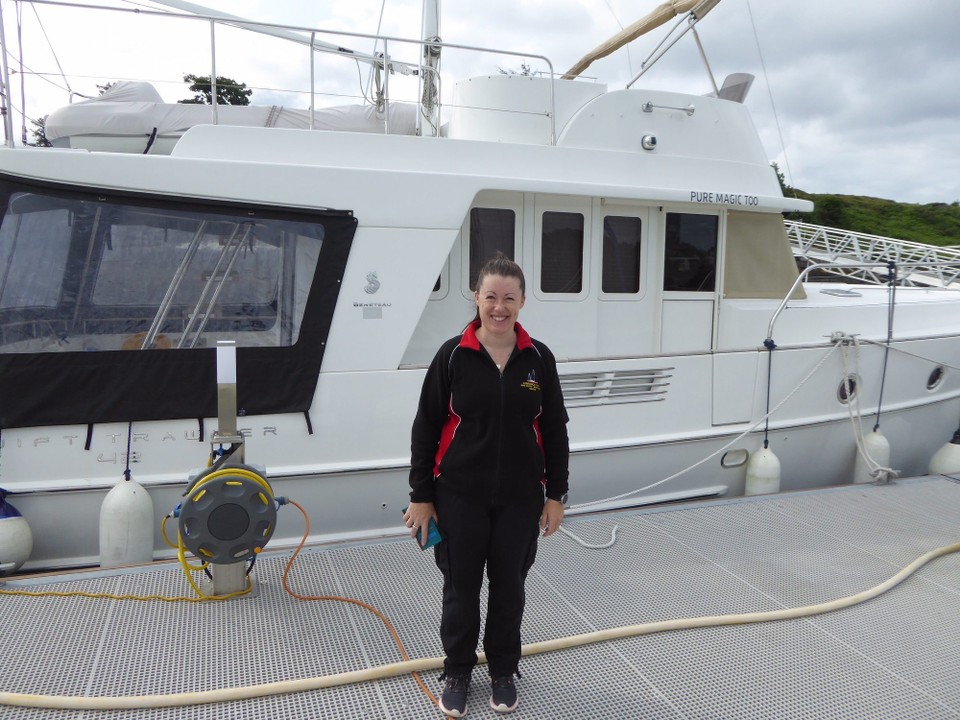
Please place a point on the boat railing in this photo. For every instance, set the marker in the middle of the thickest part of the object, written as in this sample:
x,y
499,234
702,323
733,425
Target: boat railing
x,y
863,257
891,278
384,65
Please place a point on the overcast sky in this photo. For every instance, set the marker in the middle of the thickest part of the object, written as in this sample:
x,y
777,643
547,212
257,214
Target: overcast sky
x,y
866,94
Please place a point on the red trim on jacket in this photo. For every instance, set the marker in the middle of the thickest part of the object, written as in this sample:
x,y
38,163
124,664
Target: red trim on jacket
x,y
446,436
470,340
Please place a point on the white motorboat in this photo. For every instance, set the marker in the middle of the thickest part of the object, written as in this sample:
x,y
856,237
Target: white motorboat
x,y
659,269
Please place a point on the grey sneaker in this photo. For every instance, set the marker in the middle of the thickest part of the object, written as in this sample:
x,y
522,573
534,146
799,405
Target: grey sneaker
x,y
503,696
453,700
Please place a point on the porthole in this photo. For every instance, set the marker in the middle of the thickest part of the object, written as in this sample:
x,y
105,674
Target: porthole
x,y
936,377
848,389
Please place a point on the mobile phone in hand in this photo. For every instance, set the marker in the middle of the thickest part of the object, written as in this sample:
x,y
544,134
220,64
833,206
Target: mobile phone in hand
x,y
433,534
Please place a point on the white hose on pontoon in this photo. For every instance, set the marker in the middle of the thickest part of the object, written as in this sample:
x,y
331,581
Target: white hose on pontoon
x,y
384,671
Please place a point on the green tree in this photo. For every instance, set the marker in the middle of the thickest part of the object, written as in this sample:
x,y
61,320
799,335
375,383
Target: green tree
x,y
229,91
784,188
40,133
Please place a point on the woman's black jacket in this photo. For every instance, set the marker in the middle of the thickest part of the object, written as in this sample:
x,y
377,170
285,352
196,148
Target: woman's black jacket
x,y
494,437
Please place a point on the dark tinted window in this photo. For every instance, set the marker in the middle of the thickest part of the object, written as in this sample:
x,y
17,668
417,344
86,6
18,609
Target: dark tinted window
x,y
690,259
561,256
621,254
491,230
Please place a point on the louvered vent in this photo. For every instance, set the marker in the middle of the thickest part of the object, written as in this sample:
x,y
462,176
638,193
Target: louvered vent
x,y
607,388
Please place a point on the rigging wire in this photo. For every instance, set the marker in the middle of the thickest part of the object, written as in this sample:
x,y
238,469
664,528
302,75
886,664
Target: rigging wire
x,y
773,105
52,51
620,25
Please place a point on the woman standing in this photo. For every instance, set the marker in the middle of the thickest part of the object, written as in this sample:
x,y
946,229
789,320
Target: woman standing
x,y
489,465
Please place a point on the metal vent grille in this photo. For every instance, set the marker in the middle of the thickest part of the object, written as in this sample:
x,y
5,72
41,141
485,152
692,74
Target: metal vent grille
x,y
607,388
893,657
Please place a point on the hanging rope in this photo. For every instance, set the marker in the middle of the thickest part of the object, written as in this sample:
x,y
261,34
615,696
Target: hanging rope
x,y
127,473
891,301
881,472
770,345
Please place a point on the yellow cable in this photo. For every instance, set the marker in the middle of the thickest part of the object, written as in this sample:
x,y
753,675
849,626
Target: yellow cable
x,y
163,532
401,668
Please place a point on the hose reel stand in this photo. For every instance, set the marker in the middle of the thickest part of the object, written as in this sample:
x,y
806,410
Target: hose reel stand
x,y
228,514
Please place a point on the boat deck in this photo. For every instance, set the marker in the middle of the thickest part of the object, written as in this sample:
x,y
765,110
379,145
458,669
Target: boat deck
x,y
892,657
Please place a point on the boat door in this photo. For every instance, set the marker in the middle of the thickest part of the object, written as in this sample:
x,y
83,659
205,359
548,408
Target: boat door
x,y
690,263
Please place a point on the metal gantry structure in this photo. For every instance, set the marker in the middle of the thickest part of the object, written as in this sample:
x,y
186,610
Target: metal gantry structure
x,y
846,254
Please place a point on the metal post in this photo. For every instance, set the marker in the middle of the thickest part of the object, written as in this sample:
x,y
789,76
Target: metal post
x,y
213,69
231,577
5,109
313,86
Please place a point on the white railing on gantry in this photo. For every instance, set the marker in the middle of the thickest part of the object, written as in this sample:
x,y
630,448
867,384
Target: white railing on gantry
x,y
845,253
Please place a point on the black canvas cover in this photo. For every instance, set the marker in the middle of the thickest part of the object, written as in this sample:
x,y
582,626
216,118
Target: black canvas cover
x,y
82,387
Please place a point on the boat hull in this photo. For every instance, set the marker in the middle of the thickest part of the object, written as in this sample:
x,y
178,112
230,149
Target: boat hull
x,y
366,504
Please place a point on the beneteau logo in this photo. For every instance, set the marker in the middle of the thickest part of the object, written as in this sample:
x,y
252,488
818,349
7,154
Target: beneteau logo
x,y
372,283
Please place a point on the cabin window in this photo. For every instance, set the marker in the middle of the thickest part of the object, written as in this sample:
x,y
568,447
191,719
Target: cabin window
x,y
561,254
690,258
621,254
84,274
492,230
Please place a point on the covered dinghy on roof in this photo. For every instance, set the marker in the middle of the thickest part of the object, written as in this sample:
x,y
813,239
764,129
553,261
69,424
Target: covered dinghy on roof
x,y
132,117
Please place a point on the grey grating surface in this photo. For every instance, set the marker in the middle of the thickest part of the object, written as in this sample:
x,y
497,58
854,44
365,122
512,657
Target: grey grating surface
x,y
893,657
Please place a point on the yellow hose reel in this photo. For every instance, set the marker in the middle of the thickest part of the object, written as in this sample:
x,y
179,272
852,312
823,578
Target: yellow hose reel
x,y
228,514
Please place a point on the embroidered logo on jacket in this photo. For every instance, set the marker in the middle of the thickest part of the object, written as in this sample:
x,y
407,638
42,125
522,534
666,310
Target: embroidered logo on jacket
x,y
531,382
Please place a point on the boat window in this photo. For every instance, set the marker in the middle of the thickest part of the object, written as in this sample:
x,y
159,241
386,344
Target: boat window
x,y
122,277
492,230
87,276
561,254
690,260
621,254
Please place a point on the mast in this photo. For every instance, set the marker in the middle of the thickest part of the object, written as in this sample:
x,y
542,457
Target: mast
x,y
430,70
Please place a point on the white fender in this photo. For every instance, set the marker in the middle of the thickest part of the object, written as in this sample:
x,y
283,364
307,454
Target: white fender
x,y
878,448
16,543
946,460
126,525
763,473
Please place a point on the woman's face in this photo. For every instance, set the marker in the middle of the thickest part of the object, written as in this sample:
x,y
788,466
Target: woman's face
x,y
499,300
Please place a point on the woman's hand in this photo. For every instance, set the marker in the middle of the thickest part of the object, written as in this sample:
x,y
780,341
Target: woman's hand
x,y
418,516
551,517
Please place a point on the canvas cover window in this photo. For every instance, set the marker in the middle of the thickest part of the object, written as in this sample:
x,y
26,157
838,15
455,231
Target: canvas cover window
x,y
87,278
79,274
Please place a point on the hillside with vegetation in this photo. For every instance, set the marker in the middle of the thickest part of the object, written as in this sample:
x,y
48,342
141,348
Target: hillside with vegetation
x,y
930,223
